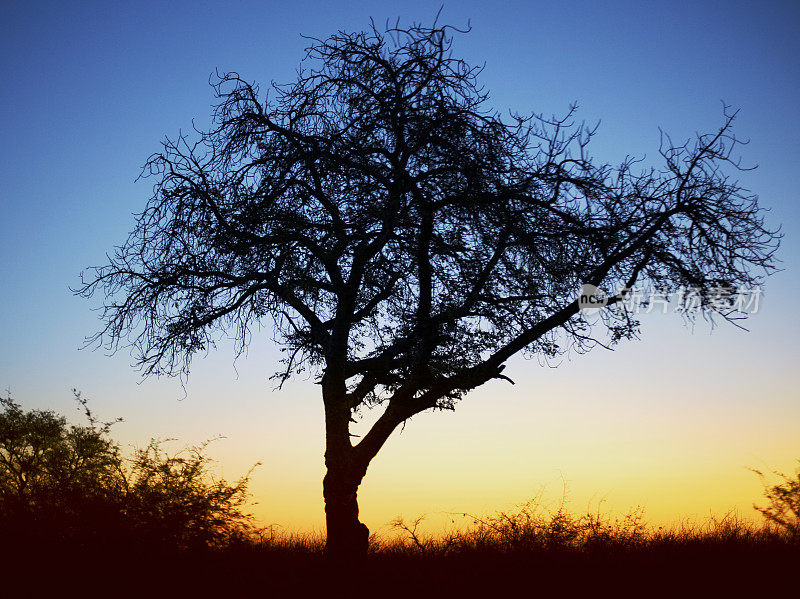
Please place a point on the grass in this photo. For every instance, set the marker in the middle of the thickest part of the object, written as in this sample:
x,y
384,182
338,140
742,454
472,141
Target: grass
x,y
528,549
540,550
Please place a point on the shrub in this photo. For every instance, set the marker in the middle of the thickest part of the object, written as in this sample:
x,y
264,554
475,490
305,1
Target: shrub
x,y
176,497
52,475
783,502
62,482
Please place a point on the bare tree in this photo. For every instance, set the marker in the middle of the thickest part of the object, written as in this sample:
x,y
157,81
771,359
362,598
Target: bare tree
x,y
406,240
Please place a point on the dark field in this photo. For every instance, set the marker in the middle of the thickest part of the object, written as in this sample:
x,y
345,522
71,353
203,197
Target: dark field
x,y
509,555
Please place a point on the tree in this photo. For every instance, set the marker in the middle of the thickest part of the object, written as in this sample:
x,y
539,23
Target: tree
x,y
406,240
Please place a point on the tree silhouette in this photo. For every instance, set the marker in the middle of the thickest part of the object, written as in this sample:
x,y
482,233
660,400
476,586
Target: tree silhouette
x,y
406,240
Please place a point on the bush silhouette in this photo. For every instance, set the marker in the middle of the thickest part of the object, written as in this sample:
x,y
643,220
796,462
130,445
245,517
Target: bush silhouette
x,y
72,483
175,497
783,502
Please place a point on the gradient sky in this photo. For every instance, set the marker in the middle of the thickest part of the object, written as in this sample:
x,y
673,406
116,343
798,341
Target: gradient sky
x,y
670,423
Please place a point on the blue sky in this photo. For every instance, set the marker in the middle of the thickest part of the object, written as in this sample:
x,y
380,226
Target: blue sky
x,y
90,90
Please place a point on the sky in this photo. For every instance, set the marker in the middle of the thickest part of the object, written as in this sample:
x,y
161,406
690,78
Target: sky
x,y
670,423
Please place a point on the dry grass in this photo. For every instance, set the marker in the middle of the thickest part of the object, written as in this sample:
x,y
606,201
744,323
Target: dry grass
x,y
534,529
510,552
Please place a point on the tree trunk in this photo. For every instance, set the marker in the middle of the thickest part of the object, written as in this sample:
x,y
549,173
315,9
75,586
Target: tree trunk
x,y
347,537
346,465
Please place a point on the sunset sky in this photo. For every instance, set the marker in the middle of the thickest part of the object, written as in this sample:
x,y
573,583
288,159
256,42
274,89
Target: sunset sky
x,y
670,423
